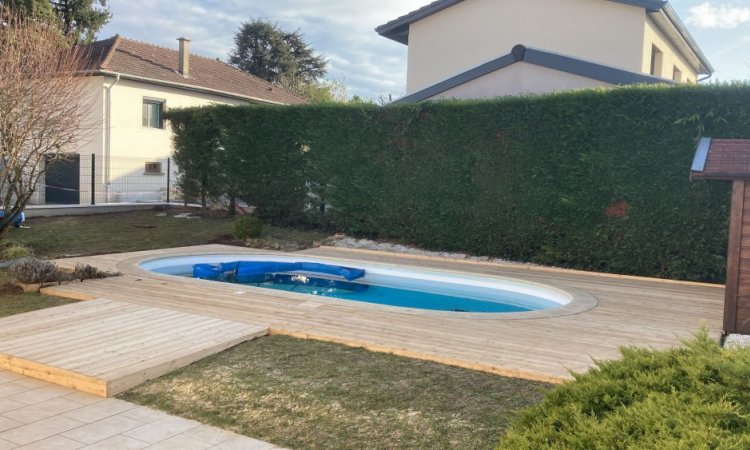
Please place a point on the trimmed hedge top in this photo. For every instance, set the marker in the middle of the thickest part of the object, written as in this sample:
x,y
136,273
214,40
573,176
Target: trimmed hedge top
x,y
595,180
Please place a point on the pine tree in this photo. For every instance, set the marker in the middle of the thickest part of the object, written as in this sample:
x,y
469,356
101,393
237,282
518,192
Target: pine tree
x,y
82,18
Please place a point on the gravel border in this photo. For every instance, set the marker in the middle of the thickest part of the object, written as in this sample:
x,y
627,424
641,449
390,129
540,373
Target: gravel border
x,y
367,244
737,341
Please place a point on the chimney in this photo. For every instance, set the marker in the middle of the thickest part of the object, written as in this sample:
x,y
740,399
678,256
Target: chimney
x,y
184,56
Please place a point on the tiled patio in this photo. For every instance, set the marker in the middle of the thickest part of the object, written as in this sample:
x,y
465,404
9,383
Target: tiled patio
x,y
35,414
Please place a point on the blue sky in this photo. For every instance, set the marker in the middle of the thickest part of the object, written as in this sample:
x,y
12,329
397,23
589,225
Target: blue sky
x,y
370,65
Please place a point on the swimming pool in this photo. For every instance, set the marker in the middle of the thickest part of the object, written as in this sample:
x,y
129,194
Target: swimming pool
x,y
394,286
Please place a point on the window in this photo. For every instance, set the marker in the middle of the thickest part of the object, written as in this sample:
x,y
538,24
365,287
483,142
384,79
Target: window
x,y
153,168
657,58
677,75
152,113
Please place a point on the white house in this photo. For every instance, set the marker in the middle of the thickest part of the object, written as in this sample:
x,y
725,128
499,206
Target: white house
x,y
490,48
131,84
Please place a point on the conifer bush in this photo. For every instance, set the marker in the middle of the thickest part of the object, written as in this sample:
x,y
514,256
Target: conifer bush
x,y
695,396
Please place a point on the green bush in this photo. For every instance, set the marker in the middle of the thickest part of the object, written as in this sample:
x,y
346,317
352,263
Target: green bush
x,y
696,396
594,180
16,251
247,227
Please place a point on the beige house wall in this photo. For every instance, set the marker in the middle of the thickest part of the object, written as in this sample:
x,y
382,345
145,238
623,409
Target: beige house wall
x,y
519,79
476,31
671,57
131,144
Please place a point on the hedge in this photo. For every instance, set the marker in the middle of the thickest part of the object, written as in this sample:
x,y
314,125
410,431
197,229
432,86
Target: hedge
x,y
691,397
595,180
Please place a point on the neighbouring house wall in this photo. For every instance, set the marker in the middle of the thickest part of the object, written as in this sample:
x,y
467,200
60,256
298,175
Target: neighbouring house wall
x,y
476,31
132,144
92,139
518,79
671,57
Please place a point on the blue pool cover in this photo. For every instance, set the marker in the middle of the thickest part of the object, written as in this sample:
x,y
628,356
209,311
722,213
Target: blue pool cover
x,y
257,271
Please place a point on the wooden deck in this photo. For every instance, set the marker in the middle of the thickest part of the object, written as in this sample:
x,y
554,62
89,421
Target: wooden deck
x,y
631,311
104,347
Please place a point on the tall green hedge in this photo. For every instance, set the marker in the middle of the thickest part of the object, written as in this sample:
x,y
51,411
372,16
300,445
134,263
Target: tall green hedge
x,y
596,180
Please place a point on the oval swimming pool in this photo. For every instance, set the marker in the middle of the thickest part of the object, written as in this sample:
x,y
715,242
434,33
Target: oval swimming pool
x,y
367,282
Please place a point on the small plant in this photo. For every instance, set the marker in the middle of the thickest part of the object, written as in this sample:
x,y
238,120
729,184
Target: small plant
x,y
16,251
86,272
247,227
35,271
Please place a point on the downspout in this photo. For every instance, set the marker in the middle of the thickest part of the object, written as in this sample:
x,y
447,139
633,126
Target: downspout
x,y
108,140
704,78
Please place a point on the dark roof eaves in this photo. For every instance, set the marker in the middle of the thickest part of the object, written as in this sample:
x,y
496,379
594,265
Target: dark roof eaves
x,y
542,58
685,33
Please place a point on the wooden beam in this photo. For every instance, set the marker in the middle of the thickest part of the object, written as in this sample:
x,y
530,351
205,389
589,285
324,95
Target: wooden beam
x,y
733,256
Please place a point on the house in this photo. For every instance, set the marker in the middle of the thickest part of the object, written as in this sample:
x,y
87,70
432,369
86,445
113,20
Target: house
x,y
131,84
490,48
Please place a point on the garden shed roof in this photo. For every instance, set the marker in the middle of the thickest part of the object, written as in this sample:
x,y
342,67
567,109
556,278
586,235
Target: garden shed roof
x,y
722,159
146,62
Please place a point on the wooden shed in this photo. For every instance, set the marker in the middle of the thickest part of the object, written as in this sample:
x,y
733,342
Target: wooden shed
x,y
729,159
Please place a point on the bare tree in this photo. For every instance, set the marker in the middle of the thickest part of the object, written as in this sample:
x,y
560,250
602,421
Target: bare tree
x,y
43,106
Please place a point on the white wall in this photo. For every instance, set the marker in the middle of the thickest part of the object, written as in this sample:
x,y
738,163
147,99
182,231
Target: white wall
x,y
671,57
519,79
476,31
132,144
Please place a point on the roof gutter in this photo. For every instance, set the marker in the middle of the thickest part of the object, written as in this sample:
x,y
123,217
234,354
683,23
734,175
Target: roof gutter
x,y
188,87
674,19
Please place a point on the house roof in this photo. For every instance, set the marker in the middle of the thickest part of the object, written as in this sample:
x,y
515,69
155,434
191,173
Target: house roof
x,y
721,159
159,65
660,10
542,58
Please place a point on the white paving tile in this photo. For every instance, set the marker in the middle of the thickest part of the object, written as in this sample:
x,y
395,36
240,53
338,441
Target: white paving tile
x,y
118,442
42,410
37,431
8,389
7,423
53,443
5,445
100,410
181,442
33,396
145,414
163,429
7,404
244,443
31,383
209,434
6,376
83,398
102,429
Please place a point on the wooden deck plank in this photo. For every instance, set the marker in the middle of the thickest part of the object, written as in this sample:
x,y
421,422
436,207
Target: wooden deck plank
x,y
104,347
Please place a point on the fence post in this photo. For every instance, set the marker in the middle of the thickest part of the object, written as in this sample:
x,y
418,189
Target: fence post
x,y
169,175
93,178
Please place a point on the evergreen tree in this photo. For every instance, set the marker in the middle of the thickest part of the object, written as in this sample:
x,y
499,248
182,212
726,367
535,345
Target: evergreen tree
x,y
25,8
263,49
82,18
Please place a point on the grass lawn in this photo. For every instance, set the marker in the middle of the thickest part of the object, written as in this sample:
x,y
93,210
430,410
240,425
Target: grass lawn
x,y
14,301
307,394
58,237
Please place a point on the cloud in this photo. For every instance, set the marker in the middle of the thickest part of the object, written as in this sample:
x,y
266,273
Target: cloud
x,y
711,16
340,30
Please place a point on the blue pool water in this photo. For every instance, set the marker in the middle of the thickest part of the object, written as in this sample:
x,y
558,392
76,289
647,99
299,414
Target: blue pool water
x,y
371,283
383,295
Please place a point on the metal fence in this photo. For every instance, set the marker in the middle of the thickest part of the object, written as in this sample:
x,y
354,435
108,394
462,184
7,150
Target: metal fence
x,y
91,179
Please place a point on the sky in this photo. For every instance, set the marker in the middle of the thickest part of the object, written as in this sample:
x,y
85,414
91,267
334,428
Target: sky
x,y
369,65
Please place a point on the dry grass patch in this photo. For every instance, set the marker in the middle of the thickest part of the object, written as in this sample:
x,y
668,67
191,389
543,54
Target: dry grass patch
x,y
308,394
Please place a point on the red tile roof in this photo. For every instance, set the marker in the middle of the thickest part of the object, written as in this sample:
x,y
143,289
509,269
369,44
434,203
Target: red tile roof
x,y
726,159
159,64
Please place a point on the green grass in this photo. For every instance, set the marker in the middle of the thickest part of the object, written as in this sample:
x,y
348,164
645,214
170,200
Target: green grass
x,y
14,301
58,237
307,394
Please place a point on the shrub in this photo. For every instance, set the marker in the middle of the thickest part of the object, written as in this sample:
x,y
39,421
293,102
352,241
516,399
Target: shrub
x,y
86,272
247,227
695,396
16,251
35,271
594,180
